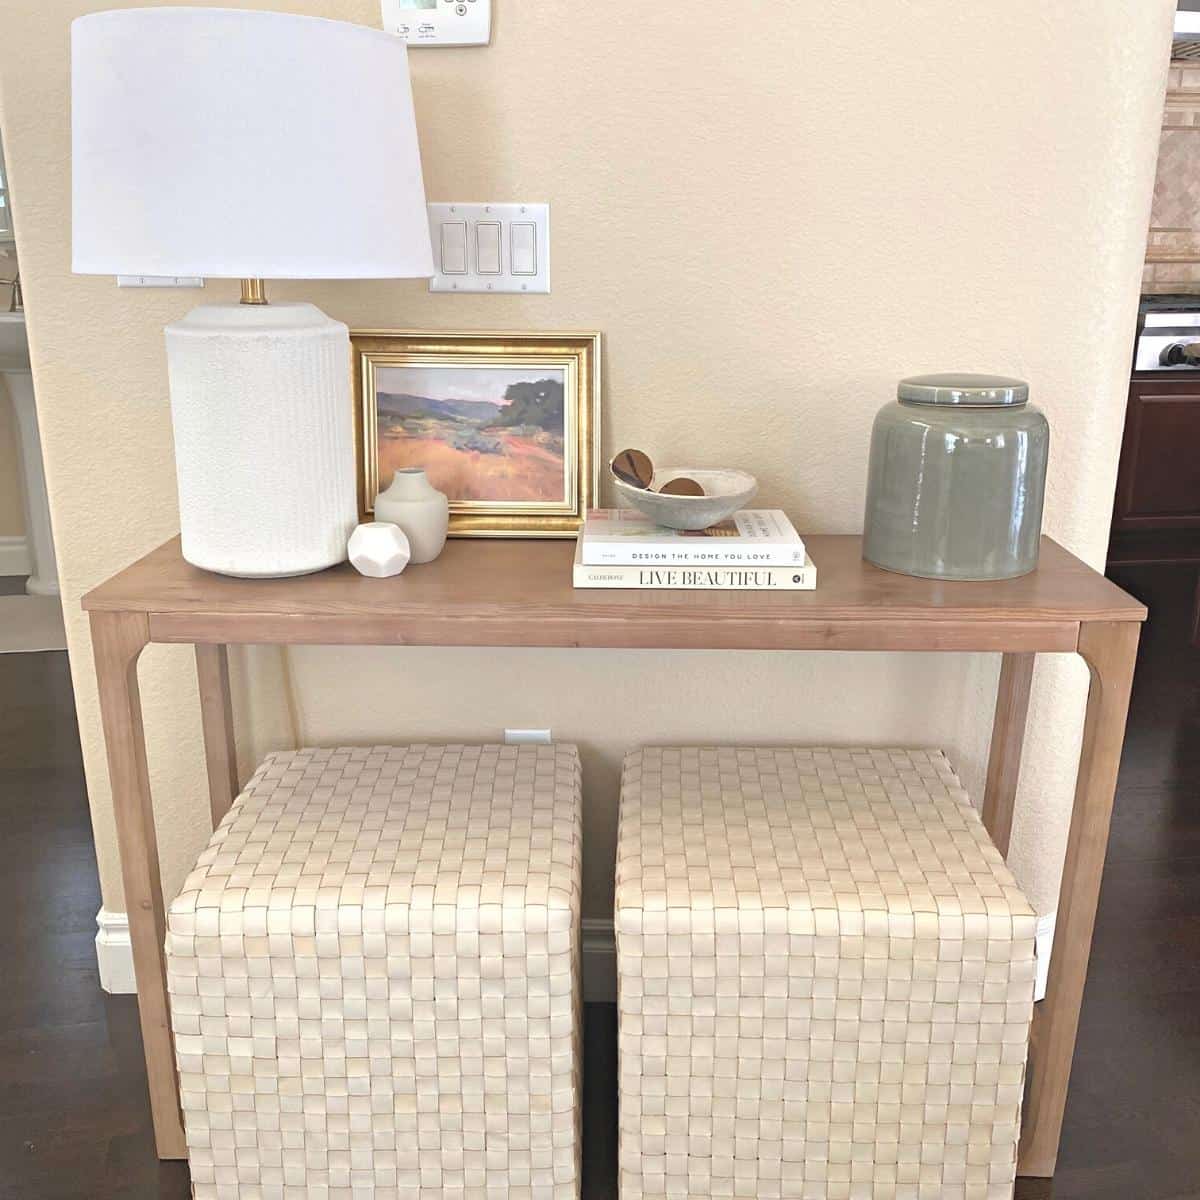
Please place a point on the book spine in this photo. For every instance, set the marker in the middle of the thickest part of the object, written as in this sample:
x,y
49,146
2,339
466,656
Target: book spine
x,y
665,557
717,579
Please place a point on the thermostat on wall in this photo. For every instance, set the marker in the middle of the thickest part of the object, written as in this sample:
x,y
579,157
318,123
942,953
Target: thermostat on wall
x,y
439,22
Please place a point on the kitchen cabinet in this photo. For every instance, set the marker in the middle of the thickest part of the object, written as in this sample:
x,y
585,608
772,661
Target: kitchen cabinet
x,y
1156,513
1158,481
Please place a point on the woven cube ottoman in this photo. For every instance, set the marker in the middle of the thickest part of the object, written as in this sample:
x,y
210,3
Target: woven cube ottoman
x,y
825,979
374,979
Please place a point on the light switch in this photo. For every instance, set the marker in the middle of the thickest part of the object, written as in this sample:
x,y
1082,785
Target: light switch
x,y
496,247
454,247
524,248
487,247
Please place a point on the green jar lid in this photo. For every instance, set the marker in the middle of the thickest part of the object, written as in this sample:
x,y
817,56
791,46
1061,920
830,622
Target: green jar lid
x,y
969,391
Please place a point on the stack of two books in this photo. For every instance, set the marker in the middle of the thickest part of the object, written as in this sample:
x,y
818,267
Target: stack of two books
x,y
754,550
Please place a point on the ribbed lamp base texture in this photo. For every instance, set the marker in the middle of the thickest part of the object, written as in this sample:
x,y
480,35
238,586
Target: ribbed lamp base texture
x,y
264,438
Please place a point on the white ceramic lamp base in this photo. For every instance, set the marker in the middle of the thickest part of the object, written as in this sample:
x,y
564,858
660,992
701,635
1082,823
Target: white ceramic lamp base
x,y
264,438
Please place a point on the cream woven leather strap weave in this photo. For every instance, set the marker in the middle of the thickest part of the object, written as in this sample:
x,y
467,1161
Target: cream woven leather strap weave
x,y
825,977
374,978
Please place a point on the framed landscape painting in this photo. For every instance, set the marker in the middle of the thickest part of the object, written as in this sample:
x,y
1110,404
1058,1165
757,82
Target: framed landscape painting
x,y
506,424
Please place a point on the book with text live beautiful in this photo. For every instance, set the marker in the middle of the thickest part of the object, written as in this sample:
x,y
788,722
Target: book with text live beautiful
x,y
802,578
753,537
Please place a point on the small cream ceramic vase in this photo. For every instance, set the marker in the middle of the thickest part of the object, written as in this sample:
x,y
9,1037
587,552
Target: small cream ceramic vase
x,y
423,512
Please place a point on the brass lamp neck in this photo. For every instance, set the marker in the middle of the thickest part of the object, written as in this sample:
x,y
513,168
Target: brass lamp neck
x,y
254,291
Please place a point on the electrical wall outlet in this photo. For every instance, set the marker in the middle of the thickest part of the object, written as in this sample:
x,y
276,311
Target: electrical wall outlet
x,y
526,737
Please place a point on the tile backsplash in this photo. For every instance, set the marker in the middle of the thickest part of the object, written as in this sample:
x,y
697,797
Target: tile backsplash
x,y
1173,245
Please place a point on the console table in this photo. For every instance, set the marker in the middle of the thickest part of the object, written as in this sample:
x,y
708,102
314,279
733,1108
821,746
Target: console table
x,y
519,593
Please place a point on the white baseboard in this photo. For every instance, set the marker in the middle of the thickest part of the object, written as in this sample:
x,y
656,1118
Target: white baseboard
x,y
599,961
600,958
14,555
1043,941
114,953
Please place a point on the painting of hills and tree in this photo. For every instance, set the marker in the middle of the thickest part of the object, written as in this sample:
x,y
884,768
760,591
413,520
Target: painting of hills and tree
x,y
481,433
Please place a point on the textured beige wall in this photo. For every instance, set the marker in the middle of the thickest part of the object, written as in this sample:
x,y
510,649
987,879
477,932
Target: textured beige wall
x,y
770,229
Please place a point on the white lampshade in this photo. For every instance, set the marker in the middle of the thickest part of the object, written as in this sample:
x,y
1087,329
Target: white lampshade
x,y
235,144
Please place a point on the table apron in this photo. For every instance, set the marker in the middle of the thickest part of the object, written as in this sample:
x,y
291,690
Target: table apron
x,y
985,635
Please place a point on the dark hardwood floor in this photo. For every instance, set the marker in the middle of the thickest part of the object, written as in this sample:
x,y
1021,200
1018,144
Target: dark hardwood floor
x,y
74,1124
1133,1113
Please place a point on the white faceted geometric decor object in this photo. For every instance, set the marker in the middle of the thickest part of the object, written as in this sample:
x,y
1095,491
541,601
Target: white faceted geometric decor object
x,y
264,438
374,979
379,549
825,979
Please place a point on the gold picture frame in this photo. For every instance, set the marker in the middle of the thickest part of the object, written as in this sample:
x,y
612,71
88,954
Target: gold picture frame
x,y
462,445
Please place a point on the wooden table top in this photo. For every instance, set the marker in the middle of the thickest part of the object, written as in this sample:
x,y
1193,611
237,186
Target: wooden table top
x,y
519,593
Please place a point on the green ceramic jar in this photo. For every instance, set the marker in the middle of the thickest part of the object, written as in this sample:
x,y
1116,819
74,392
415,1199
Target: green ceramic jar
x,y
956,479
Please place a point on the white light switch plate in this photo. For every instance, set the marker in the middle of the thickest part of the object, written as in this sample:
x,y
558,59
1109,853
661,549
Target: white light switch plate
x,y
439,22
503,248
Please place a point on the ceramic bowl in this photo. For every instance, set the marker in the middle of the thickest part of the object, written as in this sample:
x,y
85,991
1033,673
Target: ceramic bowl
x,y
725,491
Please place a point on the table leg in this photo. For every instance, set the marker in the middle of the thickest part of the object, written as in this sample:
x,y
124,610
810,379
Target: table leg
x,y
216,719
118,639
1110,650
1004,757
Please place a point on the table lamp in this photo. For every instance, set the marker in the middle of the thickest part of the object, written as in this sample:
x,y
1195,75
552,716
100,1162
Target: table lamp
x,y
250,145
